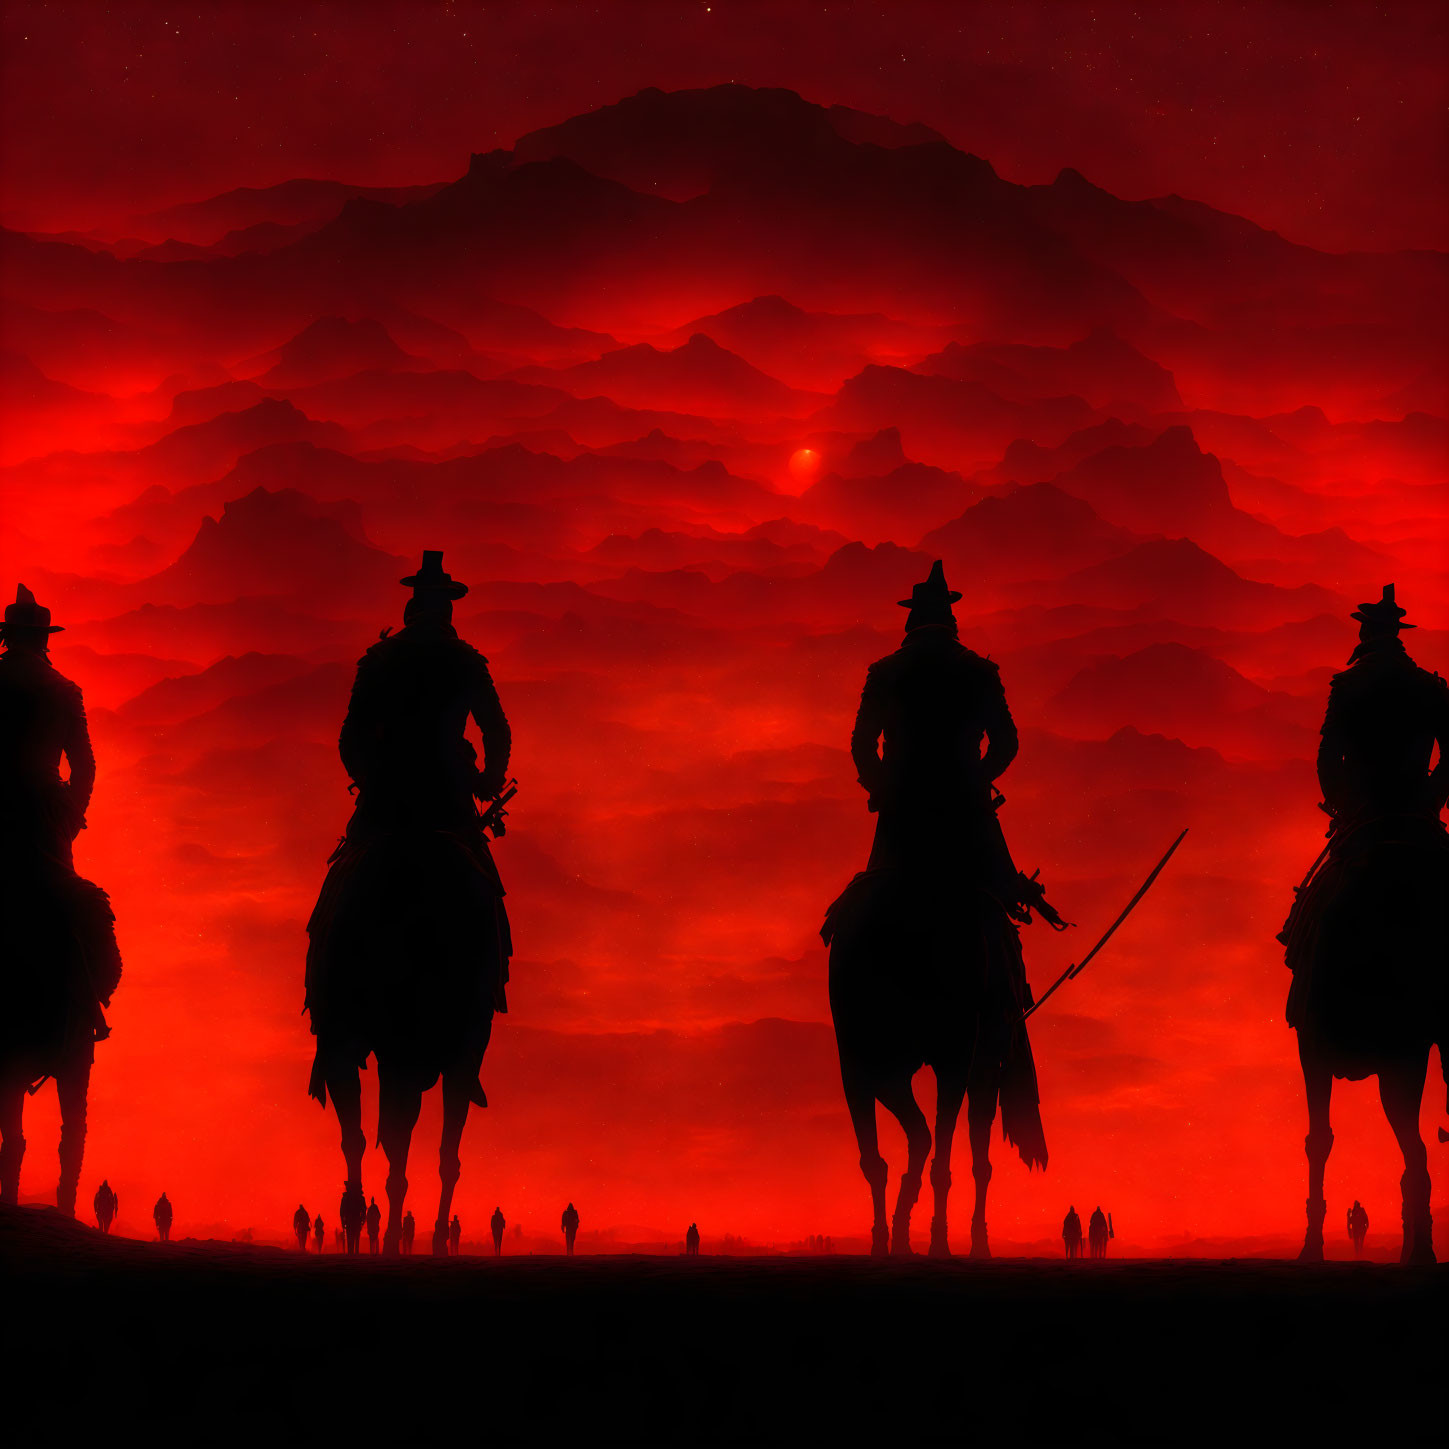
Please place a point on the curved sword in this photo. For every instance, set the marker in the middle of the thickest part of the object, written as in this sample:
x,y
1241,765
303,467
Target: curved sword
x,y
1080,966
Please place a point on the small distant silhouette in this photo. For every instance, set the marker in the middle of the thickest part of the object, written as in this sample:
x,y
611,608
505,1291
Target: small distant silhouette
x,y
691,1241
1368,935
302,1226
318,1235
161,1216
353,1213
1358,1225
412,894
570,1225
1072,1233
455,1235
374,1225
57,933
106,1204
1099,1230
925,957
497,1224
409,1231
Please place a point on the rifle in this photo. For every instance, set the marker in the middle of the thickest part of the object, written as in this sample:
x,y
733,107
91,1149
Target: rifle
x,y
492,818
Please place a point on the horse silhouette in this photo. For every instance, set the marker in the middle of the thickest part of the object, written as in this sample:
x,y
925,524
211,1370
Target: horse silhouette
x,y
409,941
1368,936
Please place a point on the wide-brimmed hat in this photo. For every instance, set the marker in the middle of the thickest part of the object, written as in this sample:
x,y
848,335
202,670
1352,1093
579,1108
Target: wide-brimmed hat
x,y
1384,612
431,578
933,593
25,613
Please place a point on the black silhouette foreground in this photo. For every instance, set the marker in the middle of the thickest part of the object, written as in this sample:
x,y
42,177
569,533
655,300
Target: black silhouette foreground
x,y
57,933
1367,939
162,1215
925,957
409,940
787,1350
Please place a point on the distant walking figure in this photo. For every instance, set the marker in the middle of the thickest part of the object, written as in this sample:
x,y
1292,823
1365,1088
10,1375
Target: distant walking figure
x,y
353,1212
1357,1227
57,933
925,958
570,1224
1072,1233
318,1233
339,1240
106,1203
409,1231
161,1216
409,940
1368,936
455,1235
1097,1234
691,1241
374,1225
302,1226
497,1224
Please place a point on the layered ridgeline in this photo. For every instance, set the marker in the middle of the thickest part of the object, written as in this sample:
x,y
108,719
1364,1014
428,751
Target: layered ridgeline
x,y
691,389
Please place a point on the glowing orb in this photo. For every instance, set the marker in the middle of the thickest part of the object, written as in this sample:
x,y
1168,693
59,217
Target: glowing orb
x,y
804,463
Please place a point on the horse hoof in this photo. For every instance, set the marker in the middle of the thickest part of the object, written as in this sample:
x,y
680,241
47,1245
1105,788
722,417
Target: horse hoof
x,y
880,1243
980,1250
440,1243
940,1248
901,1246
392,1245
1312,1252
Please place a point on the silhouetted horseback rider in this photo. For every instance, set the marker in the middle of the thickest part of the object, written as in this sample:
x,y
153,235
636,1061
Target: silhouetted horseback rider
x,y
409,940
1367,939
374,1225
1358,1226
1097,1233
922,940
57,933
497,1224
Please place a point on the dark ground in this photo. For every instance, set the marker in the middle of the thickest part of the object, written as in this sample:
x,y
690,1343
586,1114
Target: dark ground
x,y
204,1343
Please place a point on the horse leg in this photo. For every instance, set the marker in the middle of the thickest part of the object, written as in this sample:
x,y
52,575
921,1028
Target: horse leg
x,y
457,1088
1401,1089
950,1093
980,1114
12,1140
344,1083
1318,1087
399,1102
861,1102
72,1085
899,1100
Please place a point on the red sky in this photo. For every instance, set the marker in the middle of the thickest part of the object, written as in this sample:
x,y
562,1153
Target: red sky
x,y
1323,121
1161,452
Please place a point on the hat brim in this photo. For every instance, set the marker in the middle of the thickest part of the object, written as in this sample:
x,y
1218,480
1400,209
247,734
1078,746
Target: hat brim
x,y
953,596
451,589
1378,617
34,628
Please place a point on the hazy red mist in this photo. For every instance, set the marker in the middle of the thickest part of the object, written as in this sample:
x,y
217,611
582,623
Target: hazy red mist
x,y
1162,451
